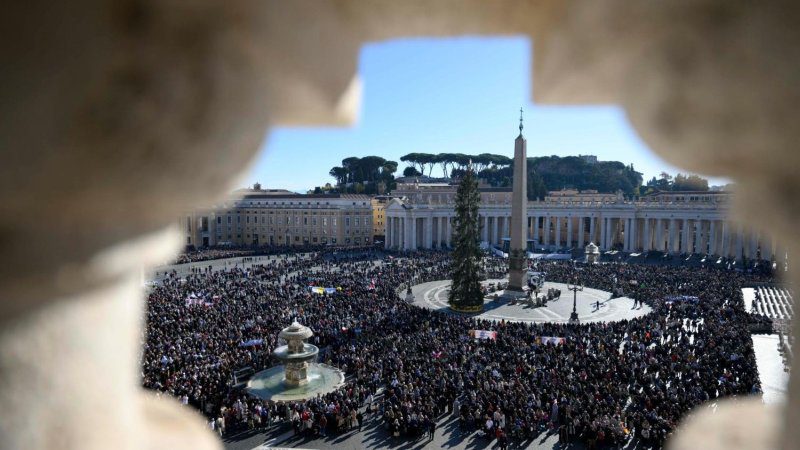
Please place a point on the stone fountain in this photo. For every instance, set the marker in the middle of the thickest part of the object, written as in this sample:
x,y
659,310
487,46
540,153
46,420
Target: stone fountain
x,y
296,353
298,377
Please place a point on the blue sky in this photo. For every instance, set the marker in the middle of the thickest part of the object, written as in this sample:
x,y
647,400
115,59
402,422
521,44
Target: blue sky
x,y
449,95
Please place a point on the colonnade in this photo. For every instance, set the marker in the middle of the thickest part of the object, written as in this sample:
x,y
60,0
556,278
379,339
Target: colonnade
x,y
668,232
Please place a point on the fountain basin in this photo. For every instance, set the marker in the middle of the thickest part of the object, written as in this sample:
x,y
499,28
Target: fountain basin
x,y
271,384
308,353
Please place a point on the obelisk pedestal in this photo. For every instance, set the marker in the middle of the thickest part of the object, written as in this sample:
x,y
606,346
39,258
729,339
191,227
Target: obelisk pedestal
x,y
518,251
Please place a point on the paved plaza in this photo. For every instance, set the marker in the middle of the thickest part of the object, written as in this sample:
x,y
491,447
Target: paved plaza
x,y
771,369
433,295
375,436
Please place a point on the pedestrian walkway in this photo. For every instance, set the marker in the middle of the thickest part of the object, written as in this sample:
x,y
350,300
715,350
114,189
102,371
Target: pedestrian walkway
x,y
774,379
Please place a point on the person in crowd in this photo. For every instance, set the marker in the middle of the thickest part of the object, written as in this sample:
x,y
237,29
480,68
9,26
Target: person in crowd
x,y
604,384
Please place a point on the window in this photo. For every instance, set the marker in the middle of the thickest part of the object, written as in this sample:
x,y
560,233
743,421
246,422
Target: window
x,y
219,220
357,221
305,220
324,221
229,220
347,221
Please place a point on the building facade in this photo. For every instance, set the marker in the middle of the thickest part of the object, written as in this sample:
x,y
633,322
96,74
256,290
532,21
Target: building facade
x,y
379,203
277,217
674,222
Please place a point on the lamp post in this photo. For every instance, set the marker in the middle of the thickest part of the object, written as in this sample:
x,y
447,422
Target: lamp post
x,y
574,287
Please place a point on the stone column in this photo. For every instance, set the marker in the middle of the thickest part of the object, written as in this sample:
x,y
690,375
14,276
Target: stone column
x,y
387,240
580,225
673,236
497,230
406,233
401,233
712,237
546,232
704,238
685,233
558,232
569,231
626,235
633,235
442,231
726,247
396,233
698,236
531,231
659,235
413,230
422,232
603,244
428,224
449,231
592,221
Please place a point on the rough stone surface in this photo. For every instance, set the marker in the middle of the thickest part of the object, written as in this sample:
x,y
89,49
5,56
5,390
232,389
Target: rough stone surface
x,y
118,114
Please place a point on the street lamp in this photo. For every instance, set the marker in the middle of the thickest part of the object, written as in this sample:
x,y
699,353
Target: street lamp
x,y
574,287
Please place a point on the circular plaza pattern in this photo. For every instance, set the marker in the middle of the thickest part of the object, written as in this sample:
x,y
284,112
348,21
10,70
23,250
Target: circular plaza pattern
x,y
433,295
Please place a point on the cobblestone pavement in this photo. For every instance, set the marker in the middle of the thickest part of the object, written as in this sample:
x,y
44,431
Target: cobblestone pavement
x,y
433,295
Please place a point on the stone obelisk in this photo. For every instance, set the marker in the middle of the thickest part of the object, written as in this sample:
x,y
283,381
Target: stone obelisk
x,y
518,251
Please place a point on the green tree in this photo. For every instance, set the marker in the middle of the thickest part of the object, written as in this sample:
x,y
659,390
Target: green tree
x,y
427,159
416,160
683,182
465,291
340,174
411,171
353,169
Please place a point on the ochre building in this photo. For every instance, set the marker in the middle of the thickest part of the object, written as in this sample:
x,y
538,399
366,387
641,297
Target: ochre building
x,y
279,217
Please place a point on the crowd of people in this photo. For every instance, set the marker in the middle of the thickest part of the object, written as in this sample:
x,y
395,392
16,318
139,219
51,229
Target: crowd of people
x,y
238,251
409,367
